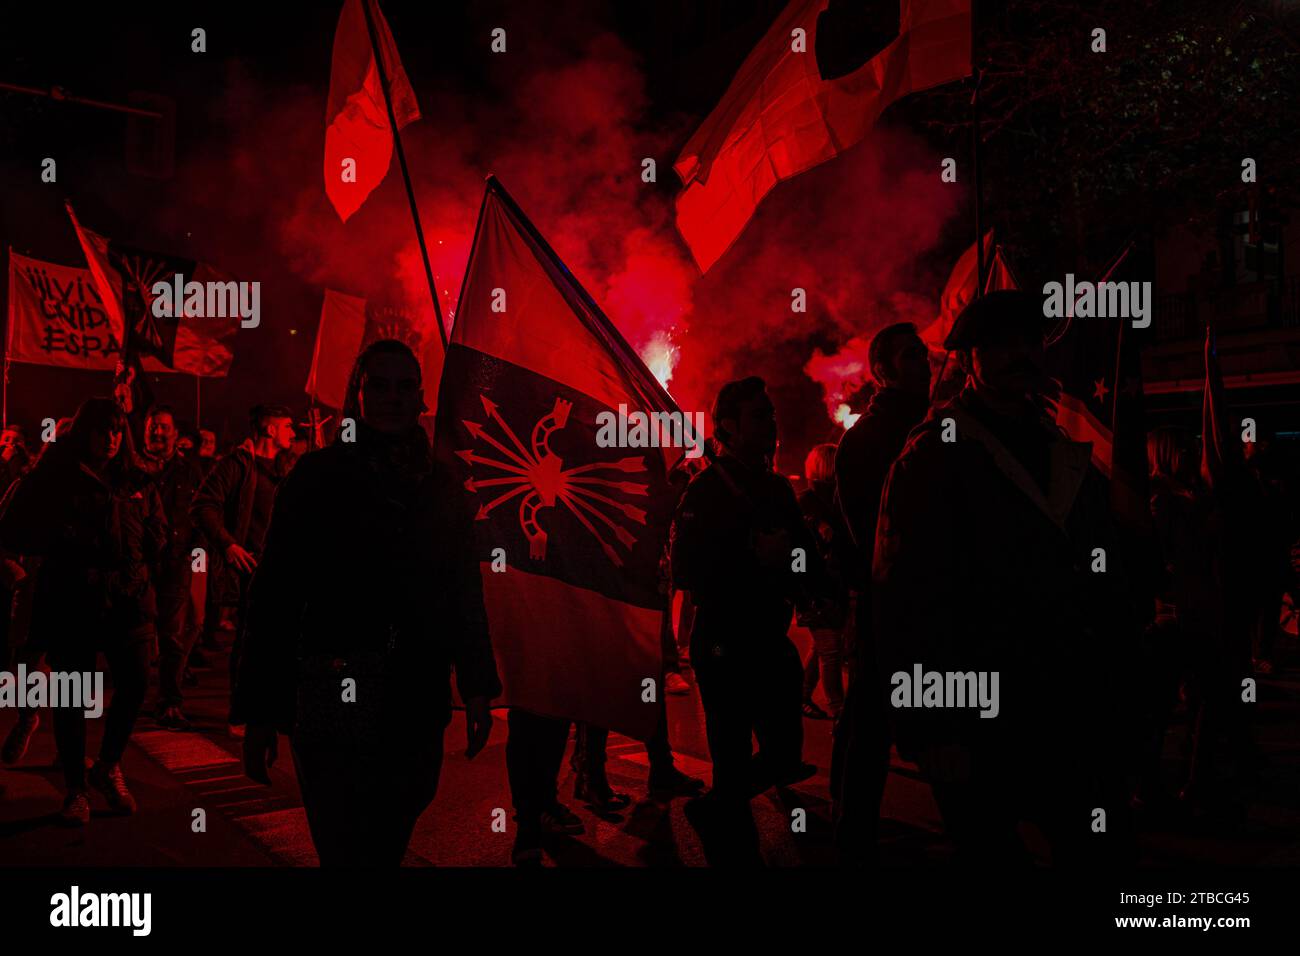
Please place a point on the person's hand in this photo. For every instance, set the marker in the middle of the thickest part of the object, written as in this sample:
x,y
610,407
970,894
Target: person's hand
x,y
241,559
478,725
261,748
947,763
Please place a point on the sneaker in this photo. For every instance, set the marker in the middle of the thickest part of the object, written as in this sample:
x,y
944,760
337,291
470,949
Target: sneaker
x,y
110,782
527,850
675,683
673,783
598,794
15,745
560,819
171,718
76,810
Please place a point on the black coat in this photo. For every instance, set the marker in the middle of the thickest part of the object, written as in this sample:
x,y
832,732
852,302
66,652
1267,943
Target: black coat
x,y
368,557
97,538
713,554
978,569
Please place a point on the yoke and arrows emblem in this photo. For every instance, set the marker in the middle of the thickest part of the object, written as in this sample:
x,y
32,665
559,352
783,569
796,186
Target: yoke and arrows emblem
x,y
539,475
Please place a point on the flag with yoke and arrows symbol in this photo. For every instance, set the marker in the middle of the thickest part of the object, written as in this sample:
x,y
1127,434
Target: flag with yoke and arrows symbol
x,y
569,534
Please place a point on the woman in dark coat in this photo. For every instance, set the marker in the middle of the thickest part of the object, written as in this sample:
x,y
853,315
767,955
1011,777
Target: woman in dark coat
x,y
366,596
96,523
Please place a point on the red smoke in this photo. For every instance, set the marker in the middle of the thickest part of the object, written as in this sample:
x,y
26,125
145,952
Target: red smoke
x,y
567,136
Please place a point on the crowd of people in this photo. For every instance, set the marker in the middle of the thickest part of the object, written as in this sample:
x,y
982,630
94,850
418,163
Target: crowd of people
x,y
954,529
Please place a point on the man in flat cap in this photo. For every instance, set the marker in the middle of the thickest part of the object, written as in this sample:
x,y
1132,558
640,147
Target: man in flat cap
x,y
987,574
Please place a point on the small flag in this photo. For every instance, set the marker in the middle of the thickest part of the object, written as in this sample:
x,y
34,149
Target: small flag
x,y
125,277
569,533
1097,363
358,136
779,117
960,290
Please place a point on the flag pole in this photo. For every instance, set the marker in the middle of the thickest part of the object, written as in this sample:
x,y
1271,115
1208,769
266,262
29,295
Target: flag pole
x,y
406,175
975,147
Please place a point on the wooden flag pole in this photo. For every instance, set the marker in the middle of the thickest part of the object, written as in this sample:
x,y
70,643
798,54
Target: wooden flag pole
x,y
406,175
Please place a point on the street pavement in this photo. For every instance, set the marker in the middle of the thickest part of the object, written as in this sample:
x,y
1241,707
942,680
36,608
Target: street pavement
x,y
173,775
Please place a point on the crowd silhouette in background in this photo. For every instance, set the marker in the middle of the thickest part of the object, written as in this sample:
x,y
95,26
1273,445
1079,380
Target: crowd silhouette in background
x,y
955,528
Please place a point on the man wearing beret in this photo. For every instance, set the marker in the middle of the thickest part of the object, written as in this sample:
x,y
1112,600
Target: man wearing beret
x,y
986,563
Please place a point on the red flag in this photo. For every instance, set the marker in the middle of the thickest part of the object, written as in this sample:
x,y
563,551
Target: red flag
x,y
349,323
125,277
358,137
569,533
960,290
779,117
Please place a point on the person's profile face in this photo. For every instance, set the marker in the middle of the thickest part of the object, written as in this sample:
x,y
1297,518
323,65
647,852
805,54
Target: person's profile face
x,y
391,397
281,430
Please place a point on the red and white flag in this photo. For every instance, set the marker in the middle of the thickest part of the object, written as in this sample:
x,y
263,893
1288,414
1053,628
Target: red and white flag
x,y
780,118
960,290
569,532
358,136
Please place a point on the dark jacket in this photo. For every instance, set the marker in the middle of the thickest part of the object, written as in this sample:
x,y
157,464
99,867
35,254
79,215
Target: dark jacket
x,y
977,568
862,462
368,557
825,521
97,538
177,480
713,552
223,506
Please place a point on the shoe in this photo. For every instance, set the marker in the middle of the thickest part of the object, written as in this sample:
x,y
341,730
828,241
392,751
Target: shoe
x,y
599,795
236,731
673,783
786,777
15,745
110,782
527,850
560,819
171,718
675,683
76,810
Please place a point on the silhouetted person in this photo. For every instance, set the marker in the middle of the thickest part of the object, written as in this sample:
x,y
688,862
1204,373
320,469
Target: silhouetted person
x,y
1188,600
826,619
97,525
733,542
986,562
366,597
177,478
900,366
233,509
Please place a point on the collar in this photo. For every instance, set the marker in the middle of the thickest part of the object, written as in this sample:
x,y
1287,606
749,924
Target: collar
x,y
1068,462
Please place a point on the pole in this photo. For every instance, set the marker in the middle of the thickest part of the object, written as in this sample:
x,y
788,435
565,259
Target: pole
x,y
975,148
406,175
